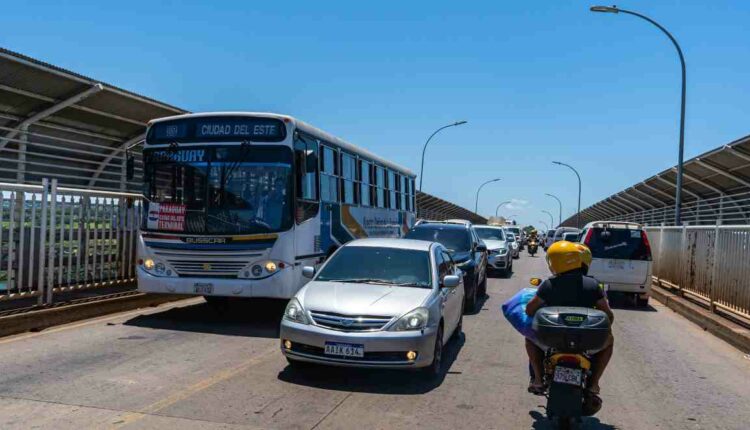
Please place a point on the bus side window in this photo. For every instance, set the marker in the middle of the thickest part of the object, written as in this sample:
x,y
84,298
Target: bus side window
x,y
306,177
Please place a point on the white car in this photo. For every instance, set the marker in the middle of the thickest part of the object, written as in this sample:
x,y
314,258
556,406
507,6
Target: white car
x,y
515,247
621,257
499,254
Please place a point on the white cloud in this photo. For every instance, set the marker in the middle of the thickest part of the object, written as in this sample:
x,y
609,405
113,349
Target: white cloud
x,y
518,204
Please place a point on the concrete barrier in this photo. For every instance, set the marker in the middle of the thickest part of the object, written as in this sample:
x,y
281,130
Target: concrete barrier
x,y
732,333
38,320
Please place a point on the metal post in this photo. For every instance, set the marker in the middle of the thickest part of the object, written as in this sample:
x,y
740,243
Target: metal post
x,y
52,235
476,204
424,148
714,270
40,279
21,169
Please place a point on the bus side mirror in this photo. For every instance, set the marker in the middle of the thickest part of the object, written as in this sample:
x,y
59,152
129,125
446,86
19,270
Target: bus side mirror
x,y
129,166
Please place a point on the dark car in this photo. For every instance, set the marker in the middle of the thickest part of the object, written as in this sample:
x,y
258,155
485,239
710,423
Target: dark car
x,y
466,249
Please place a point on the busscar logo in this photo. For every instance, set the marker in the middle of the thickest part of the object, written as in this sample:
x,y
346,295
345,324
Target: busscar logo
x,y
205,240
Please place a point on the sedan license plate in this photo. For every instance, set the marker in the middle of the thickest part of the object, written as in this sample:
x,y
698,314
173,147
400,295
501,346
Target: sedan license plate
x,y
203,288
345,349
567,375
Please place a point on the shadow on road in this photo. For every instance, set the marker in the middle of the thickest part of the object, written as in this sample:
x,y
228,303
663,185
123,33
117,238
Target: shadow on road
x,y
480,305
250,318
589,423
623,302
380,381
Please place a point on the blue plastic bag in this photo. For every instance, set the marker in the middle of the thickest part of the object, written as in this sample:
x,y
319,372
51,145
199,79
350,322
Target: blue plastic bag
x,y
514,311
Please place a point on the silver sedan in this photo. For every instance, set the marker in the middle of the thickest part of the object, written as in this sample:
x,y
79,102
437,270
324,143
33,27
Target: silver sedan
x,y
388,303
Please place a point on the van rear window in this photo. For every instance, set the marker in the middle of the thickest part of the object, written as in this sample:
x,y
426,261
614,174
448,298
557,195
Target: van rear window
x,y
622,244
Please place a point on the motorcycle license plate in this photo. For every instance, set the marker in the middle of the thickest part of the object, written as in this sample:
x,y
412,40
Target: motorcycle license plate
x,y
567,375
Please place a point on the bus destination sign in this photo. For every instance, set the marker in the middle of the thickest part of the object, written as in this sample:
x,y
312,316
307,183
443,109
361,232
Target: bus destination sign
x,y
219,128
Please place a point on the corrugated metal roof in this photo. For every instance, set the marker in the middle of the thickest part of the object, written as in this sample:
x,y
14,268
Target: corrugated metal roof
x,y
722,171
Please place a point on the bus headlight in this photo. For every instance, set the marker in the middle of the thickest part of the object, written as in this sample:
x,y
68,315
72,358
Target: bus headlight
x,y
156,267
261,269
149,264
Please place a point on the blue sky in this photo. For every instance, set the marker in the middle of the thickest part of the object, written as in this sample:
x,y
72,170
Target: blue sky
x,y
537,81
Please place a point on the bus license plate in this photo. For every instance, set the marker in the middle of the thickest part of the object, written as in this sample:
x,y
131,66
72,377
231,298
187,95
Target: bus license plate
x,y
345,349
203,288
567,375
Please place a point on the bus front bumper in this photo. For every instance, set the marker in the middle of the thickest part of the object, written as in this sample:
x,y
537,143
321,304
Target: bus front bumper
x,y
281,285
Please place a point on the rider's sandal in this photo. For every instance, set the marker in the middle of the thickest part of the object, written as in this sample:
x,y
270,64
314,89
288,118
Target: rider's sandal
x,y
536,389
595,391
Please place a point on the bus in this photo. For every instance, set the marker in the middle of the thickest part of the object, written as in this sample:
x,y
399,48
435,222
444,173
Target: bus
x,y
237,203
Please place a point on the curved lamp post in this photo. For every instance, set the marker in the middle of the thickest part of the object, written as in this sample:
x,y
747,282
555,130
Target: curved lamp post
x,y
421,169
559,218
476,205
551,218
497,210
578,214
546,227
678,185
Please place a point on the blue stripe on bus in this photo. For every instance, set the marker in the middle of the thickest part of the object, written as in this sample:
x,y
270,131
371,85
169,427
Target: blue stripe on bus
x,y
214,247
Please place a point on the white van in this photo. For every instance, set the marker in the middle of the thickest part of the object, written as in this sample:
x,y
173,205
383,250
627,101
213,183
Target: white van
x,y
621,257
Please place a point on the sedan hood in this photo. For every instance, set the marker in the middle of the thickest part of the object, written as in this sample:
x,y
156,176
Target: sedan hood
x,y
361,299
495,244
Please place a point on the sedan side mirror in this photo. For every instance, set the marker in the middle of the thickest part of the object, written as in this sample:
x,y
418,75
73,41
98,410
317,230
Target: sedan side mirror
x,y
308,272
451,281
482,247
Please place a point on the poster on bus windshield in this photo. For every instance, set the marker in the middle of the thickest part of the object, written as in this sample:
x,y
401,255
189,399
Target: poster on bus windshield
x,y
166,217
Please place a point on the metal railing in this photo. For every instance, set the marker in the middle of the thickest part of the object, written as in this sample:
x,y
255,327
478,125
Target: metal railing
x,y
711,263
55,239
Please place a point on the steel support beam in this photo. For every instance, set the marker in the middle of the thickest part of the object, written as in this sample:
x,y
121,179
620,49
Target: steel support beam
x,y
50,111
731,176
125,145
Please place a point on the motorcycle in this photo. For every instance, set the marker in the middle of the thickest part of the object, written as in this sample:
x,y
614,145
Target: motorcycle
x,y
532,247
567,333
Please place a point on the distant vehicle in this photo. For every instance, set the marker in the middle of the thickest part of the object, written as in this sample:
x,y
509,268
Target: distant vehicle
x,y
388,303
467,250
561,231
547,239
515,248
570,236
237,203
621,257
517,233
498,248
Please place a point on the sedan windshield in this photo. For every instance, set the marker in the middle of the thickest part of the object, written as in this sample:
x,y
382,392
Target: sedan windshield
x,y
486,233
454,239
375,265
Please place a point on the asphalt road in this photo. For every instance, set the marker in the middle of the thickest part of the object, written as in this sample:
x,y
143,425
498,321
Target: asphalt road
x,y
183,367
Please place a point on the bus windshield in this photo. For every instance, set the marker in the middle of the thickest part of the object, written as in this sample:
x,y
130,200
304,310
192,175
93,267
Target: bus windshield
x,y
240,189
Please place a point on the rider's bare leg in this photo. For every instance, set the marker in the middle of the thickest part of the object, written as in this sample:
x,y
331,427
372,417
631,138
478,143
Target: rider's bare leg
x,y
599,363
536,357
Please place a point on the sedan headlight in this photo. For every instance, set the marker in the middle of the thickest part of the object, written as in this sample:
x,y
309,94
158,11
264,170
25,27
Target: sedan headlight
x,y
294,312
414,320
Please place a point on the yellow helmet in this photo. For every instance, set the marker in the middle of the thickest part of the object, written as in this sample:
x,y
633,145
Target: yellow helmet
x,y
563,256
585,254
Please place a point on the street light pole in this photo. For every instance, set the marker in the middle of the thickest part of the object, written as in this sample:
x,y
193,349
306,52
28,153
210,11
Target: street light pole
x,y
551,218
497,210
424,149
546,227
559,204
578,214
476,205
680,157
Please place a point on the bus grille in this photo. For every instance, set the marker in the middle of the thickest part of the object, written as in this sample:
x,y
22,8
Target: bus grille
x,y
349,322
206,263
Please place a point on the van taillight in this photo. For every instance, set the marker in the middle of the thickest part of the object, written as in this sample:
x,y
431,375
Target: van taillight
x,y
646,244
588,237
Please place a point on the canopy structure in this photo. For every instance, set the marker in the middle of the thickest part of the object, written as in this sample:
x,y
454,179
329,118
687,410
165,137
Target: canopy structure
x,y
55,123
434,208
716,189
58,123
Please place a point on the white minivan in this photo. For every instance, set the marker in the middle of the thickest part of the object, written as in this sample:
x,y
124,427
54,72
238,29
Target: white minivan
x,y
621,257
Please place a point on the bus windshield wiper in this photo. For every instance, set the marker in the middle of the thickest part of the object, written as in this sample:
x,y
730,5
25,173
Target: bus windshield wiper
x,y
244,152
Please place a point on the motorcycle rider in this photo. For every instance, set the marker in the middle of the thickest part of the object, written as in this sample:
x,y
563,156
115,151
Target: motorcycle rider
x,y
569,286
